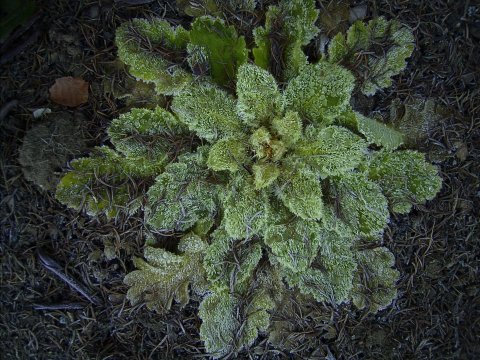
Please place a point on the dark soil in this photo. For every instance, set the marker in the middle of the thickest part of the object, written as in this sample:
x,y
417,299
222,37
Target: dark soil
x,y
437,246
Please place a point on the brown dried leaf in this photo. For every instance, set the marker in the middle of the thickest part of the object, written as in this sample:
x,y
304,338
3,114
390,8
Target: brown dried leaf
x,y
69,91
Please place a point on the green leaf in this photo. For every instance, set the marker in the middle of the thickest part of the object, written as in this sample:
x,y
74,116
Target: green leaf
x,y
230,263
295,244
165,276
377,51
225,50
288,27
246,210
155,51
209,111
405,178
362,204
320,93
229,324
289,127
259,98
378,133
106,182
374,283
181,195
300,191
331,151
265,173
152,134
228,154
329,279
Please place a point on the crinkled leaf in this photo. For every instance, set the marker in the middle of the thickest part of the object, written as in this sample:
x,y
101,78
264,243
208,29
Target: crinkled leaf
x,y
246,210
106,182
209,111
182,194
225,50
300,191
288,27
229,324
362,204
332,150
259,98
288,127
230,263
152,134
330,276
374,283
382,45
154,51
165,276
320,93
295,244
405,178
228,154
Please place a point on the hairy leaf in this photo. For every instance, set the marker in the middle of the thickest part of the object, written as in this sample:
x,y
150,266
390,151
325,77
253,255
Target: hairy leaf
x,y
320,93
300,191
165,276
362,204
182,194
209,111
151,134
105,182
374,283
331,151
259,98
154,51
405,178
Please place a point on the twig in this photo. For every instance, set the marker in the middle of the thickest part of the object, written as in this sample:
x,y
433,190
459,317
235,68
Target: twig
x,y
68,306
54,268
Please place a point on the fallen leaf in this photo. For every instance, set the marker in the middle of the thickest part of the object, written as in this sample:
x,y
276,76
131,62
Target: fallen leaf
x,y
69,91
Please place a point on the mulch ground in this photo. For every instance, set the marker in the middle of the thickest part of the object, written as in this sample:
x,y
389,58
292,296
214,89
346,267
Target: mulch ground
x,y
437,246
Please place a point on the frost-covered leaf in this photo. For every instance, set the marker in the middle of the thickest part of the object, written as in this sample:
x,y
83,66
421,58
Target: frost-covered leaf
x,y
230,263
105,182
332,150
320,93
405,178
155,51
288,127
378,133
209,111
330,276
415,119
246,210
164,276
377,51
230,323
300,191
288,27
152,134
225,50
374,283
362,204
295,244
259,98
182,194
265,173
228,154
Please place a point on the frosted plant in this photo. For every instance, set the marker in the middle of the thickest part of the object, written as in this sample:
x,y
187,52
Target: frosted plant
x,y
275,183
